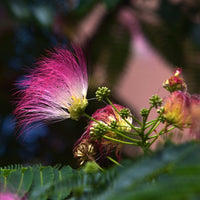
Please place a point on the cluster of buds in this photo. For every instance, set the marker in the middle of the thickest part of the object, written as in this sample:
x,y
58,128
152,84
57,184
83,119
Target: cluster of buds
x,y
102,93
175,82
94,145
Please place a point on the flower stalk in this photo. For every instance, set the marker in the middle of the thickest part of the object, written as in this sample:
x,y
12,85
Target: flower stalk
x,y
56,89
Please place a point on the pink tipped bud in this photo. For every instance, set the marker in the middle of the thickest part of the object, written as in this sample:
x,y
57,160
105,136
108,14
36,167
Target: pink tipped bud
x,y
175,83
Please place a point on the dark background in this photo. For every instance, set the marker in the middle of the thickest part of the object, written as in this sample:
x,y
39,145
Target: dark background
x,y
27,28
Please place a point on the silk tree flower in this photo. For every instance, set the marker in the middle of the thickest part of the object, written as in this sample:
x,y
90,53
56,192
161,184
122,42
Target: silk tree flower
x,y
177,109
175,83
55,90
183,111
92,146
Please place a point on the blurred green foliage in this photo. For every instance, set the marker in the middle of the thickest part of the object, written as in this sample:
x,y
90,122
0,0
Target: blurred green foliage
x,y
172,173
27,28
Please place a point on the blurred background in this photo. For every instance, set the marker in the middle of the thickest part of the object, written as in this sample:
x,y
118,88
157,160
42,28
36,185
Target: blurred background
x,y
131,46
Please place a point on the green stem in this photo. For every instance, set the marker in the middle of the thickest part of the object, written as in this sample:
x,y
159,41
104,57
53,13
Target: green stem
x,y
144,123
5,183
163,131
123,132
114,161
131,133
119,132
124,136
91,118
135,119
131,125
152,141
99,166
41,178
155,125
138,128
20,183
150,124
153,136
172,128
119,141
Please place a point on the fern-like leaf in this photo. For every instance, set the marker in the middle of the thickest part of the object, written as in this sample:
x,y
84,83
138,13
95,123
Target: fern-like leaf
x,y
64,173
19,181
42,180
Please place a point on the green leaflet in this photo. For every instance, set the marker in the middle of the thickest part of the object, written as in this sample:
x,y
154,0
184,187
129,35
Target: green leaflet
x,y
15,179
38,182
19,181
43,178
173,173
60,175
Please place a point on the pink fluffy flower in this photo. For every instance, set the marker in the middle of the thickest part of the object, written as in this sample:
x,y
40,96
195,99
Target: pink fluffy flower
x,y
177,109
183,110
55,90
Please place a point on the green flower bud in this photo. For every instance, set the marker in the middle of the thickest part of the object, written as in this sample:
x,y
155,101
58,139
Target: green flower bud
x,y
144,112
91,167
113,124
97,130
155,100
124,113
161,110
102,93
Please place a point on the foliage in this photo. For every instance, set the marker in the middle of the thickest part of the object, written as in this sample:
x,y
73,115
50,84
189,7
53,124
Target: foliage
x,y
172,173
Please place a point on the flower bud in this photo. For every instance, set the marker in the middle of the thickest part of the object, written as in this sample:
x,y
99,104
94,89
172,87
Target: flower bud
x,y
175,83
91,167
98,129
102,93
144,112
177,109
155,101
